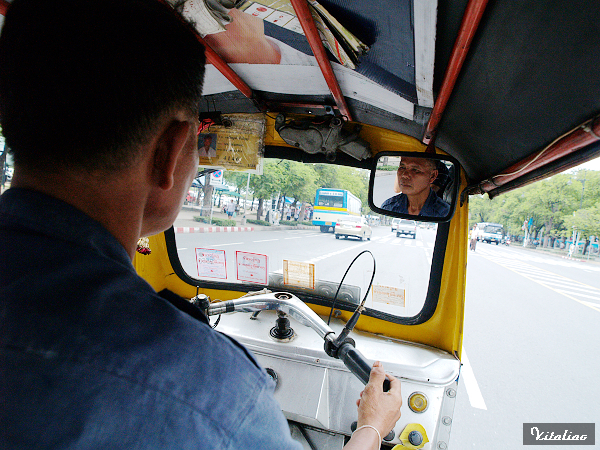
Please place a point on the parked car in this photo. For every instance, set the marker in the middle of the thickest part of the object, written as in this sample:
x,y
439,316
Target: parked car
x,y
395,223
406,226
353,226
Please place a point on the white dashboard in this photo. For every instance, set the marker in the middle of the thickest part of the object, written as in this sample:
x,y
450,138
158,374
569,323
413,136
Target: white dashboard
x,y
318,393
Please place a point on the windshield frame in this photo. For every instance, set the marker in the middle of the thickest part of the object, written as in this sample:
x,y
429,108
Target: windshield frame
x,y
427,311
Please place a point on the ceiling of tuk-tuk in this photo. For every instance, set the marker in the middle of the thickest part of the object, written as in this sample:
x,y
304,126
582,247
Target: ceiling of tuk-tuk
x,y
529,76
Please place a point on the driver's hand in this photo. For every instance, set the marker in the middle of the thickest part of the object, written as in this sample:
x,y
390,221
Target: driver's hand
x,y
377,408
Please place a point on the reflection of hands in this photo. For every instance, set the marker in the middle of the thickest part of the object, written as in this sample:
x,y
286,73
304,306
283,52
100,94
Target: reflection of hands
x,y
377,408
244,41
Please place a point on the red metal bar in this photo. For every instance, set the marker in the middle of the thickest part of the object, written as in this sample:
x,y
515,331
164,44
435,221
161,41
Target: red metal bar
x,y
4,7
314,40
469,25
575,140
213,58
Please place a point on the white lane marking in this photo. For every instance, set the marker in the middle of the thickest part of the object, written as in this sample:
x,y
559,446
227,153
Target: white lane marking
x,y
329,255
428,255
535,279
595,297
591,305
230,243
266,240
475,397
566,285
179,249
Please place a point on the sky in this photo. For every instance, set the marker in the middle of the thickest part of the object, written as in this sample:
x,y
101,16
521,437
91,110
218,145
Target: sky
x,y
594,164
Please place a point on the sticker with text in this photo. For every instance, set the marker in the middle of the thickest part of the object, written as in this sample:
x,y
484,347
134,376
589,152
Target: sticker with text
x,y
211,263
251,267
559,434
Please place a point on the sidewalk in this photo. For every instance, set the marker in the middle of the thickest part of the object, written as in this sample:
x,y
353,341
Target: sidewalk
x,y
185,222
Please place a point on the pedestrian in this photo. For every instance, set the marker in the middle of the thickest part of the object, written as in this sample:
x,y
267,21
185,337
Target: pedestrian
x,y
230,208
473,239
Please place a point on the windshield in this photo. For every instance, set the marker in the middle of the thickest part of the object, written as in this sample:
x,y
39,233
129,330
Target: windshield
x,y
282,233
330,200
493,229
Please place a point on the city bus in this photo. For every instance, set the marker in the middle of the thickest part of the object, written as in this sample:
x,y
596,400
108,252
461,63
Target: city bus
x,y
332,206
503,94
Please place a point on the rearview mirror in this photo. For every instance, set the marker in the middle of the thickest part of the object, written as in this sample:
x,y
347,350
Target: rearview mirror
x,y
417,186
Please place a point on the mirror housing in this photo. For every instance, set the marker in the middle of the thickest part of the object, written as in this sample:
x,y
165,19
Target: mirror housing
x,y
417,186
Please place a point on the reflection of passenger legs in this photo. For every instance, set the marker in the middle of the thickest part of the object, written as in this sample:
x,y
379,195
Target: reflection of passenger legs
x,y
473,244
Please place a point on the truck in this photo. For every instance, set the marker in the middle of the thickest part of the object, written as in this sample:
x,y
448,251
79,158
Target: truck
x,y
489,232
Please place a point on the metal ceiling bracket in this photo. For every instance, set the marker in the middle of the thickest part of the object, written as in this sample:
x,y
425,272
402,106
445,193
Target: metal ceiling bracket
x,y
468,27
220,64
314,40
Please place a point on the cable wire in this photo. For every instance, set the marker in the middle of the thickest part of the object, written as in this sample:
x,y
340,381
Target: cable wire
x,y
362,304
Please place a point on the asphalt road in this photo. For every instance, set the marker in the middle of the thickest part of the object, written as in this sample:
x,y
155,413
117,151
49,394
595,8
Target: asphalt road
x,y
530,349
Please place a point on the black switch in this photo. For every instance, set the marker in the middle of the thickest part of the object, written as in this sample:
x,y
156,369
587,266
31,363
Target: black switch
x,y
415,438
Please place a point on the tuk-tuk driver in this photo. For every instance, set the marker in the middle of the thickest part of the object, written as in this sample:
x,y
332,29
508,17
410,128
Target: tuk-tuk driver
x,y
99,107
414,181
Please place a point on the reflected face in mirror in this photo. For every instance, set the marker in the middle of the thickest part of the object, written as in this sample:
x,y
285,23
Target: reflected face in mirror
x,y
417,183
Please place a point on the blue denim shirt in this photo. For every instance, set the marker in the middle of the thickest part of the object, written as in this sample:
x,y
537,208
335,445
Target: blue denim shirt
x,y
433,207
92,357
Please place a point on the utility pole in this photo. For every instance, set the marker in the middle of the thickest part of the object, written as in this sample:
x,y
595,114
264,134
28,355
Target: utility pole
x,y
582,188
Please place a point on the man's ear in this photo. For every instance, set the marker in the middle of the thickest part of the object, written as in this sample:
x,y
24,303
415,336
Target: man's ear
x,y
168,148
434,174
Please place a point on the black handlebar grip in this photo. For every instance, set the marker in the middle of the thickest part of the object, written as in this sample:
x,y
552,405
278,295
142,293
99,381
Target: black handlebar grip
x,y
358,365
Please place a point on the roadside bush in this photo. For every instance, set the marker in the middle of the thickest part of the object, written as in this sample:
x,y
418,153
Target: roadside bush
x,y
293,222
288,222
216,221
259,222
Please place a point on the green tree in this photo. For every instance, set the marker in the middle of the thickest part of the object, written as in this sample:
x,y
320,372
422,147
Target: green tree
x,y
268,184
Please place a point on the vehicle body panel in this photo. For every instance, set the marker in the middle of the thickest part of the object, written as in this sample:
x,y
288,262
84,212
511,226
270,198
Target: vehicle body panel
x,y
406,227
356,227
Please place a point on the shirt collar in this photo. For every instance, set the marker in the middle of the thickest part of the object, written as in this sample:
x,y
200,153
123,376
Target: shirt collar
x,y
46,215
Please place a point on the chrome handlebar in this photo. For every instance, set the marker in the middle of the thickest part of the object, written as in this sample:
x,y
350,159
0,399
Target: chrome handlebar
x,y
278,301
294,307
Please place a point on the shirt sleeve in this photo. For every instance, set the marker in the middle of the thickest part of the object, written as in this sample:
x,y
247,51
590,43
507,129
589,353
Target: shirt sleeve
x,y
264,427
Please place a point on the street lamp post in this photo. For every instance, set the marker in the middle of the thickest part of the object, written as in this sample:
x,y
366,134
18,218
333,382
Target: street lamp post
x,y
246,200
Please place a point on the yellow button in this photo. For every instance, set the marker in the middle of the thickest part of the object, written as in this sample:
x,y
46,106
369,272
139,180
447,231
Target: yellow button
x,y
417,402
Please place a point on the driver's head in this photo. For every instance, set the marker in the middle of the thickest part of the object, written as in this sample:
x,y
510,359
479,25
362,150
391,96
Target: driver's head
x,y
415,175
82,82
